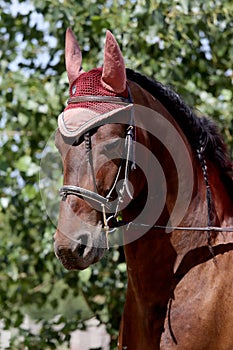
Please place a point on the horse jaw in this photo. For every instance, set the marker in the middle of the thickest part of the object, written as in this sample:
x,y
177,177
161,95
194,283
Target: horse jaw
x,y
73,57
114,75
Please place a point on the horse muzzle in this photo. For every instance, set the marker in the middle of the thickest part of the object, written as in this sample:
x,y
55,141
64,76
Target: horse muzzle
x,y
79,250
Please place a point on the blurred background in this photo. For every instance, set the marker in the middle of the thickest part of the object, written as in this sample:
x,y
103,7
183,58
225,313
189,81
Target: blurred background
x,y
186,44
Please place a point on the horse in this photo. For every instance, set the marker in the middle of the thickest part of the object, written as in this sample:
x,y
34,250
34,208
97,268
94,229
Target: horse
x,y
138,160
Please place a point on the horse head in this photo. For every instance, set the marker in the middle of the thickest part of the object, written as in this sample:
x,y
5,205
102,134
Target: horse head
x,y
91,141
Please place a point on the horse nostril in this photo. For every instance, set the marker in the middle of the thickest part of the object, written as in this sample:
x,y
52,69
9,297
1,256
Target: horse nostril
x,y
80,249
82,244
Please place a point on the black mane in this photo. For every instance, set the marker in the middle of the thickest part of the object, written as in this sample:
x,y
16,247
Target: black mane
x,y
198,130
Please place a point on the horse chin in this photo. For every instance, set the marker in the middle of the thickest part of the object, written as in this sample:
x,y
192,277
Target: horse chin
x,y
81,263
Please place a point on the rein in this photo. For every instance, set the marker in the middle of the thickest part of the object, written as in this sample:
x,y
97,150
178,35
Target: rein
x,y
112,207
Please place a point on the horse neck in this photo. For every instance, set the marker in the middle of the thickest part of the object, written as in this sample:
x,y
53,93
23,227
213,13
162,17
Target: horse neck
x,y
147,253
157,260
221,200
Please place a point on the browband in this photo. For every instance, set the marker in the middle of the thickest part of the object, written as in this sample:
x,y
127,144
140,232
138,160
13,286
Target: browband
x,y
106,99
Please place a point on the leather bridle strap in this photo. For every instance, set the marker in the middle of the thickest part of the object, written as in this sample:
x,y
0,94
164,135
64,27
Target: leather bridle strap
x,y
105,99
105,202
94,196
173,228
83,193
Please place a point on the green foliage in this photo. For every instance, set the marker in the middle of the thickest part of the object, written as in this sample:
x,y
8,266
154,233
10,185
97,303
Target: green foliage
x,y
186,44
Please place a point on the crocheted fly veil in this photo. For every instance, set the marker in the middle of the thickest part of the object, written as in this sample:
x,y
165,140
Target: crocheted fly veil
x,y
81,116
77,118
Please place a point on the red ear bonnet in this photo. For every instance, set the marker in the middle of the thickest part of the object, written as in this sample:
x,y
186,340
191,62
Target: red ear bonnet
x,y
107,81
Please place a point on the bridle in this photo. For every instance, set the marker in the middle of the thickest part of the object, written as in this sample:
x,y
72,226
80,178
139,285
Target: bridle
x,y
105,203
128,163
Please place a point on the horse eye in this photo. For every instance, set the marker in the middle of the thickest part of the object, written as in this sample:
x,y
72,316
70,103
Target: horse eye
x,y
113,148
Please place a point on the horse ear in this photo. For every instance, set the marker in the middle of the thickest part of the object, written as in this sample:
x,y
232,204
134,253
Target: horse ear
x,y
114,75
73,56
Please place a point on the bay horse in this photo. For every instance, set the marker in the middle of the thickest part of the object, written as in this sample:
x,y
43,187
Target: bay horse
x,y
129,144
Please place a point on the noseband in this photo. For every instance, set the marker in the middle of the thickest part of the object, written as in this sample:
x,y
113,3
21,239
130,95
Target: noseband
x,y
113,207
